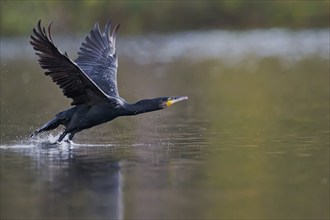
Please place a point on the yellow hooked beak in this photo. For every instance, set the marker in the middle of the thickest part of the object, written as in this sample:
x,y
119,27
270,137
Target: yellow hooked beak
x,y
173,100
169,103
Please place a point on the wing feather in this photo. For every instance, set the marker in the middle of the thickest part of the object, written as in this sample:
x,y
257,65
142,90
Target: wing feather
x,y
74,83
97,58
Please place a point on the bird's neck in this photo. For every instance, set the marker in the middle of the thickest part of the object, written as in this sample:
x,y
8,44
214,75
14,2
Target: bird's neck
x,y
140,107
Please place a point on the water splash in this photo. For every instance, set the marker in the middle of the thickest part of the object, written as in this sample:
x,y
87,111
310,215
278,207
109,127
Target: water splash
x,y
42,141
49,141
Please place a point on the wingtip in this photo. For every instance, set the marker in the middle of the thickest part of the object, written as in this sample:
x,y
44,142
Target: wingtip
x,y
108,23
39,25
114,32
51,22
117,27
96,26
107,28
49,27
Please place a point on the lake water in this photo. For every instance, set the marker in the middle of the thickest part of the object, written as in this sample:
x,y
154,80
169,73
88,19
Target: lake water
x,y
252,141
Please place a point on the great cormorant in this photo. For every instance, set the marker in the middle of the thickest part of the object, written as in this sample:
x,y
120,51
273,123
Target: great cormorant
x,y
90,81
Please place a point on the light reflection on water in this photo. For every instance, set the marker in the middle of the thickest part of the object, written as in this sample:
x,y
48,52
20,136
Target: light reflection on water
x,y
249,143
77,180
168,174
60,174
231,47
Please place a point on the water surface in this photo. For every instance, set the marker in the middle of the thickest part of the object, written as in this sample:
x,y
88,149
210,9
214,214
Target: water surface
x,y
252,141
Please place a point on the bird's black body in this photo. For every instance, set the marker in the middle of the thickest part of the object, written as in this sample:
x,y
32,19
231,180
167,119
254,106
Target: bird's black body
x,y
90,81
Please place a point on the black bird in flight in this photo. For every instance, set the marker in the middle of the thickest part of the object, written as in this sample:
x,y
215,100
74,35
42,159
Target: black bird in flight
x,y
90,81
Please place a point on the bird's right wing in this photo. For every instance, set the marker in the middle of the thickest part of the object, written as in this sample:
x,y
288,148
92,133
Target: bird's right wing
x,y
64,72
97,58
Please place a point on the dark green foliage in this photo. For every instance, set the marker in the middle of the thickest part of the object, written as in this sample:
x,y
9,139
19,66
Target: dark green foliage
x,y
17,17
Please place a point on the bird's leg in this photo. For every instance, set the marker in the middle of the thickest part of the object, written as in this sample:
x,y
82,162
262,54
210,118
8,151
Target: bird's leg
x,y
69,140
62,136
52,124
71,135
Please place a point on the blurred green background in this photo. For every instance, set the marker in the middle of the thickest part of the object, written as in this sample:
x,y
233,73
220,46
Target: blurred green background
x,y
17,17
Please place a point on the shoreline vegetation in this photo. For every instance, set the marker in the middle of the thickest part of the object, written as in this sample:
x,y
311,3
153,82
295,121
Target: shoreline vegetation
x,y
17,17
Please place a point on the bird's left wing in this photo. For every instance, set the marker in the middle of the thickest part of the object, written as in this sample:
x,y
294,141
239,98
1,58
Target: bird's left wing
x,y
64,72
97,58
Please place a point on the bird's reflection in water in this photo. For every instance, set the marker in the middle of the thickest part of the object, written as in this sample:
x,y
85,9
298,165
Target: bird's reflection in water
x,y
74,182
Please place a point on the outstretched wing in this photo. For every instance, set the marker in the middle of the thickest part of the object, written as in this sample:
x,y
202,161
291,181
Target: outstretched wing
x,y
97,58
64,72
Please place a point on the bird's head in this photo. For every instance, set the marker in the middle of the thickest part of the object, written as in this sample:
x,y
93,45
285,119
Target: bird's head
x,y
148,105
